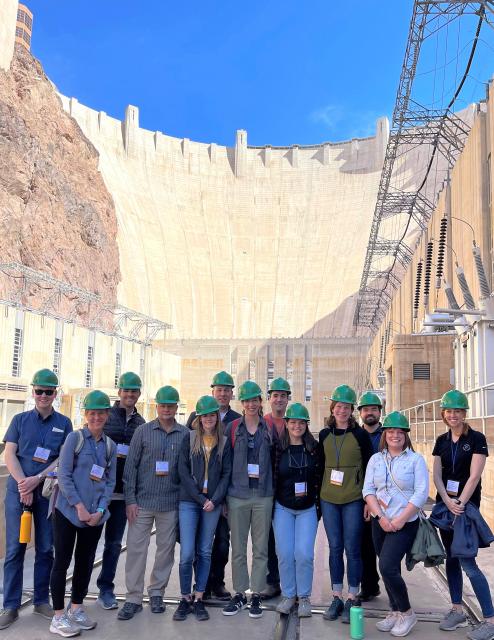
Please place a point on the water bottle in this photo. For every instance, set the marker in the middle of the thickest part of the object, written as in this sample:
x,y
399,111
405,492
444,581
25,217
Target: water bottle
x,y
357,623
25,528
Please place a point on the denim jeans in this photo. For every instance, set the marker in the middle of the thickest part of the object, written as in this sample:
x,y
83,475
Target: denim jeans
x,y
391,549
344,524
477,579
295,533
14,551
114,530
219,555
197,529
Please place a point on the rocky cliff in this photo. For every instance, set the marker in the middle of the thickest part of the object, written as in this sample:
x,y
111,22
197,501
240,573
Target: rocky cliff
x,y
56,214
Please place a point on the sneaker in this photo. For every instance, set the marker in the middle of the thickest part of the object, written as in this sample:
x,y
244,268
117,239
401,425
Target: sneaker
x,y
389,621
129,610
285,606
156,604
367,596
271,591
485,631
183,610
44,610
107,601
345,614
7,617
404,624
200,611
64,627
255,610
452,620
236,604
334,609
304,607
80,618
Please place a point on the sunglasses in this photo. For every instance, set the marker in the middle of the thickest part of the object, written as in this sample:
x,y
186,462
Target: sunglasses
x,y
47,392
130,390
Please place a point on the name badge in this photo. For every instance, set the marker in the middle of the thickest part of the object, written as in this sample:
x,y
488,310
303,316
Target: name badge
x,y
253,470
162,467
57,430
452,487
300,489
336,477
122,450
205,486
96,472
41,455
384,498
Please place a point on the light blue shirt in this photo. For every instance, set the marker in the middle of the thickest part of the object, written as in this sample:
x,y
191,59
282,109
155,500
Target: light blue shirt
x,y
410,473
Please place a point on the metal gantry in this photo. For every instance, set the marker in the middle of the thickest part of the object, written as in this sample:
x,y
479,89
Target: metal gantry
x,y
412,124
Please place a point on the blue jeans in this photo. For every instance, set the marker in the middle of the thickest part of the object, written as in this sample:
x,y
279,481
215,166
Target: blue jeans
x,y
197,529
295,533
344,525
14,552
114,530
477,579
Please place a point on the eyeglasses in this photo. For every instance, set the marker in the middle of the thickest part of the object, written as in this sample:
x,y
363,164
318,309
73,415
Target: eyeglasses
x,y
47,392
130,390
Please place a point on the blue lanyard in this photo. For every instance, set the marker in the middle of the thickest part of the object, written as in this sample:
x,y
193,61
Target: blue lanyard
x,y
338,451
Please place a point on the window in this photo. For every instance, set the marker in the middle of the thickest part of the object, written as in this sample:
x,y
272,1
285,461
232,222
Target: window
x,y
57,355
26,37
19,32
252,369
308,374
118,362
421,371
17,355
89,367
270,366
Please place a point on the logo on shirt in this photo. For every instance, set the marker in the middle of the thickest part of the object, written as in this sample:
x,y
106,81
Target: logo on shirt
x,y
466,447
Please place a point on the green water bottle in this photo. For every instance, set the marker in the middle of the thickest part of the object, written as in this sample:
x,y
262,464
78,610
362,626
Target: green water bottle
x,y
357,623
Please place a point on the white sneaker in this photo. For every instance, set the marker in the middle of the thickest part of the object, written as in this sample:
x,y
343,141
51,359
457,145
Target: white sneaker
x,y
389,621
64,627
404,624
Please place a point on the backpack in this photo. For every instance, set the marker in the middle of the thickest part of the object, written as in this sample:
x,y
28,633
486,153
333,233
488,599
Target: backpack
x,y
234,428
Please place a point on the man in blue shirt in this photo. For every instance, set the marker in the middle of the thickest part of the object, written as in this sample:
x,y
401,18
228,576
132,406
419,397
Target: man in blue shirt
x,y
32,445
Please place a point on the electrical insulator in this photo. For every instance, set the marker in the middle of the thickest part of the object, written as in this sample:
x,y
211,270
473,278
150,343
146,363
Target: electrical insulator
x,y
418,285
440,253
428,269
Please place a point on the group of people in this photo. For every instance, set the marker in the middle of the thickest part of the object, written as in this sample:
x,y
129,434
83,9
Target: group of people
x,y
226,475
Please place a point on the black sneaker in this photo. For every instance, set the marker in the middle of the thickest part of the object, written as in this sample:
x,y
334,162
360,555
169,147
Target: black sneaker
x,y
129,610
255,610
236,604
334,609
183,610
200,611
345,615
367,596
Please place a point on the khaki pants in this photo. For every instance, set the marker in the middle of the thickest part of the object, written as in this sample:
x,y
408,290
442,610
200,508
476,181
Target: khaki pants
x,y
252,514
138,538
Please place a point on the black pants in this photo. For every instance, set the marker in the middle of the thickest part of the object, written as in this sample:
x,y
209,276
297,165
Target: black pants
x,y
370,576
273,577
219,555
391,549
65,535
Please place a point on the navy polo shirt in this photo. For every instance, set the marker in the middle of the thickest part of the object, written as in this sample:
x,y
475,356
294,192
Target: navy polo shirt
x,y
29,430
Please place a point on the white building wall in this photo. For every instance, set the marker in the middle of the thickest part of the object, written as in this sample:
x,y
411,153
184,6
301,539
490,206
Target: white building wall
x,y
8,16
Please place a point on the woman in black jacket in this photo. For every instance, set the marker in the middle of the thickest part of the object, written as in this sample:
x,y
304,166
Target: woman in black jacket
x,y
204,468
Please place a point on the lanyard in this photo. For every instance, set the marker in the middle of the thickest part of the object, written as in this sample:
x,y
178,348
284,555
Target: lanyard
x,y
453,455
338,451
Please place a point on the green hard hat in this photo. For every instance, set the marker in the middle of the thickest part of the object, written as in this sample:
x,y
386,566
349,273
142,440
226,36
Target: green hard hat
x,y
297,411
167,395
368,399
248,390
279,384
222,379
205,405
129,380
396,420
45,378
344,393
96,400
454,399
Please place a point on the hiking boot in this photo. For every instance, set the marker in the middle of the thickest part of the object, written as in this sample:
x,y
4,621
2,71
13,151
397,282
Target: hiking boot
x,y
452,620
334,609
64,627
304,607
7,617
271,591
255,610
345,614
44,610
285,606
157,605
107,601
80,618
404,624
236,604
129,610
485,631
200,611
183,610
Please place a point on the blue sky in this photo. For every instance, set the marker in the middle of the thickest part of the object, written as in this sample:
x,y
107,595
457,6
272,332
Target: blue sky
x,y
289,72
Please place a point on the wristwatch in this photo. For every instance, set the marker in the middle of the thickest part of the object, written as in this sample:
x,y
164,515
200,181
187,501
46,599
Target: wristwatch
x,y
100,510
41,477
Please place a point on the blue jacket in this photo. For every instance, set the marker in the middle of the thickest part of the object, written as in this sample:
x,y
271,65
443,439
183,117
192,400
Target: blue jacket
x,y
470,530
